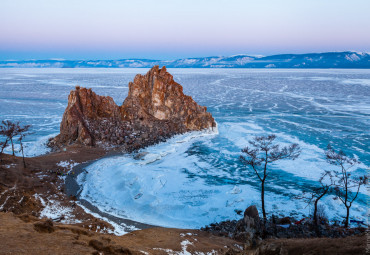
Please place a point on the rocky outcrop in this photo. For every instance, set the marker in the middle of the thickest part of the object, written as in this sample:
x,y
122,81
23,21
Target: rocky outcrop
x,y
251,229
83,110
156,108
157,96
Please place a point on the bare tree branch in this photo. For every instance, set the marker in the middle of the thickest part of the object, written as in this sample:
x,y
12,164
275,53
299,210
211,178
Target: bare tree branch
x,y
345,183
263,151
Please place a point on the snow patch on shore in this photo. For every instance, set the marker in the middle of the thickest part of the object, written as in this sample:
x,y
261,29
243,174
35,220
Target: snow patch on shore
x,y
184,246
10,165
67,164
55,211
119,230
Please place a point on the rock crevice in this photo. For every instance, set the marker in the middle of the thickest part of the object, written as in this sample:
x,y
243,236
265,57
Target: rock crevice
x,y
155,109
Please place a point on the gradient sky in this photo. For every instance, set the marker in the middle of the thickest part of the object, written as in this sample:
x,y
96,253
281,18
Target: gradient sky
x,y
170,29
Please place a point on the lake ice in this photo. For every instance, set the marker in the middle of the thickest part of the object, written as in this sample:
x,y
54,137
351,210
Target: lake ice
x,y
197,178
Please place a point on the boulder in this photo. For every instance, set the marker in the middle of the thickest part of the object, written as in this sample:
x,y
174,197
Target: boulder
x,y
285,220
252,212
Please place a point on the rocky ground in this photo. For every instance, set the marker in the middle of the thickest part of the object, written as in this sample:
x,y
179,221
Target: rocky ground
x,y
308,246
251,228
39,218
290,236
38,189
25,234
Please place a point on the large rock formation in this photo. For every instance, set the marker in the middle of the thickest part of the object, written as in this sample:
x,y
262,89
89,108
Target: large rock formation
x,y
155,109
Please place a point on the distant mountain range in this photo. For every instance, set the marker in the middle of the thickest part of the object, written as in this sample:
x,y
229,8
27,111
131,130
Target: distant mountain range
x,y
346,59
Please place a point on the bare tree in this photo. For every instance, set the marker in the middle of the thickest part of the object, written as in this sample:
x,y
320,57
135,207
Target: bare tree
x,y
326,183
2,147
347,187
263,151
9,129
22,132
3,144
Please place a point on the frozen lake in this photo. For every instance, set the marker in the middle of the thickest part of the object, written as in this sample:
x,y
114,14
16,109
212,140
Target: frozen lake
x,y
195,179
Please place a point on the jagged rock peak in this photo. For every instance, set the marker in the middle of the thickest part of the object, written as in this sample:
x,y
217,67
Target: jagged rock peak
x,y
83,106
157,95
155,108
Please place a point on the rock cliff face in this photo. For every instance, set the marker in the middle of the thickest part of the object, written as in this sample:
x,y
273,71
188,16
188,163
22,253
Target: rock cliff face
x,y
155,109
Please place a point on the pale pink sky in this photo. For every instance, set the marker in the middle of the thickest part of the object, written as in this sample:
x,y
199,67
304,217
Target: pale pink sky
x,y
116,29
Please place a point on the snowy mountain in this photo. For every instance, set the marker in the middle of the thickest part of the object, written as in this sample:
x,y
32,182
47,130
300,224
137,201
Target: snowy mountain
x,y
346,59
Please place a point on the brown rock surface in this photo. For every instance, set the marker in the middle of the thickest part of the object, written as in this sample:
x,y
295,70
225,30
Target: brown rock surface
x,y
27,191
156,108
157,95
21,237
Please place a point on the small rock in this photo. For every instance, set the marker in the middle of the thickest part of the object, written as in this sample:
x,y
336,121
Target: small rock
x,y
140,155
44,226
285,220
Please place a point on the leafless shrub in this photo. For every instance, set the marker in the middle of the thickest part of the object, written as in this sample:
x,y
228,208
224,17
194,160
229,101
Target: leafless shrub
x,y
313,197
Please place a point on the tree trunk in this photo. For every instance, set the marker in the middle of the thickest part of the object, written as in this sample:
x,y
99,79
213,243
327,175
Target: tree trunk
x,y
4,145
11,140
263,200
24,162
2,149
315,213
347,217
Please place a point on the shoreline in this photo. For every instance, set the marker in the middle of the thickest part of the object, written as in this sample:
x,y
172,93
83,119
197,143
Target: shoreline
x,y
20,219
73,189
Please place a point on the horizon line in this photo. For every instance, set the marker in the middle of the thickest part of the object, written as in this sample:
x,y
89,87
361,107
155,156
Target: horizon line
x,y
174,59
